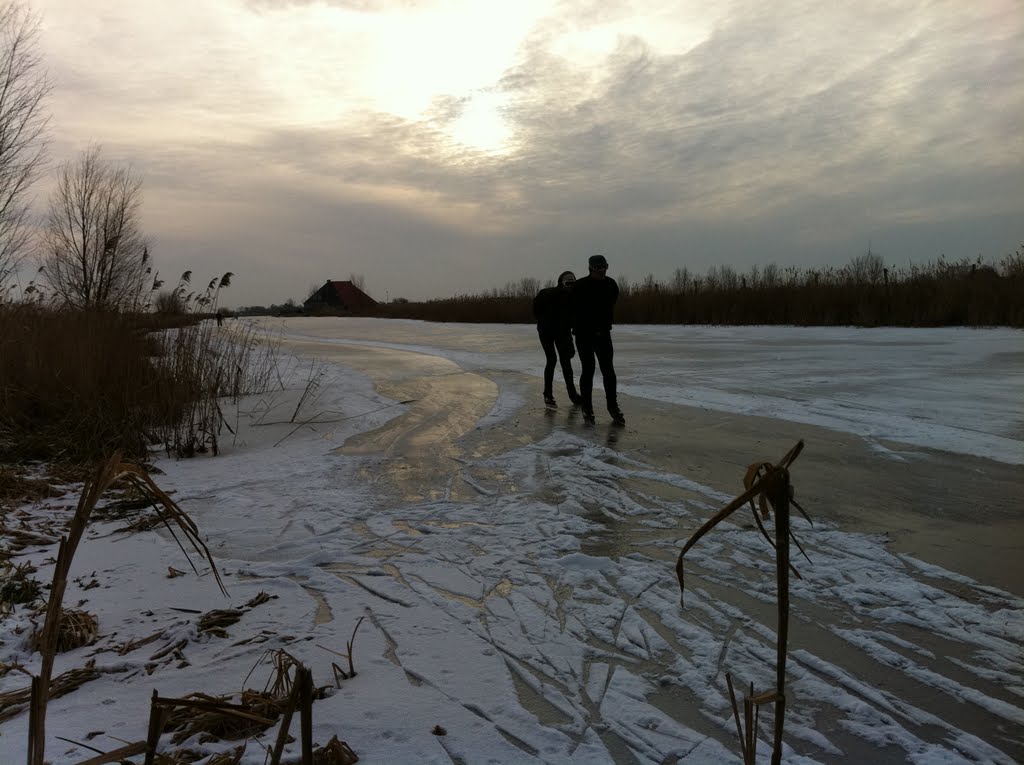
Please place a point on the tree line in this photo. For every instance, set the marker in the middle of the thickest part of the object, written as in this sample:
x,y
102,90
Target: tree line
x,y
864,292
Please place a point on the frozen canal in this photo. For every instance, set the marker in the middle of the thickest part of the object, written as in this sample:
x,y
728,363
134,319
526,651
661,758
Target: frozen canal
x,y
952,389
515,569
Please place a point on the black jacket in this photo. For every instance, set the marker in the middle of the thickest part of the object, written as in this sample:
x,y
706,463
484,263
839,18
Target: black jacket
x,y
593,304
552,309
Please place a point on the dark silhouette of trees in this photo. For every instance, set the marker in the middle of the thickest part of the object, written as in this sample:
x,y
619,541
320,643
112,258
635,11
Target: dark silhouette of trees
x,y
24,86
96,256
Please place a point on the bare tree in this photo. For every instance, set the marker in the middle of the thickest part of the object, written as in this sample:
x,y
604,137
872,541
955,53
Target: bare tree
x,y
96,256
868,268
24,86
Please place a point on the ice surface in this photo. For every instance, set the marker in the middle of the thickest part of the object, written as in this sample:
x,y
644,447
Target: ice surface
x,y
503,615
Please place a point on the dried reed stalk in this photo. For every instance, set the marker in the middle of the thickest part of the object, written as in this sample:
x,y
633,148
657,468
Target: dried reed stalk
x,y
117,755
213,716
217,621
301,697
106,475
769,484
339,673
12,703
228,758
18,586
77,628
157,720
335,752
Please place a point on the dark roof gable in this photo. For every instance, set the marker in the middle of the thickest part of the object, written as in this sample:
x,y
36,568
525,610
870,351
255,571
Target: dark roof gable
x,y
341,294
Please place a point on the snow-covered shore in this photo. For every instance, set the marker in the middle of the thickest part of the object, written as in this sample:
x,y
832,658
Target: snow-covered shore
x,y
499,602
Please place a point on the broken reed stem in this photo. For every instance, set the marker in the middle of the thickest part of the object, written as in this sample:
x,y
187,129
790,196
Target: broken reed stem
x,y
120,754
304,678
750,750
770,485
107,474
157,716
736,717
301,697
286,722
48,642
351,643
781,502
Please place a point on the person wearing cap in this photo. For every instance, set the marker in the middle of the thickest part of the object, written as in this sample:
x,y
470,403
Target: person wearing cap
x,y
552,309
593,304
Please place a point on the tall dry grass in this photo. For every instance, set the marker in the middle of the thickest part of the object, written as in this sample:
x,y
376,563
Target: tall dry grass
x,y
73,385
200,366
76,386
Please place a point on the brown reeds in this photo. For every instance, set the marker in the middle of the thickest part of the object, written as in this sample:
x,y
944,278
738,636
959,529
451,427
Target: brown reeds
x,y
217,621
199,365
13,703
73,386
335,752
301,698
768,484
215,717
77,628
868,291
76,386
107,474
18,586
339,673
16,487
289,689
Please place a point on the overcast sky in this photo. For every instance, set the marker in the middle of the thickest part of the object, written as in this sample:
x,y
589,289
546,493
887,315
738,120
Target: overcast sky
x,y
448,146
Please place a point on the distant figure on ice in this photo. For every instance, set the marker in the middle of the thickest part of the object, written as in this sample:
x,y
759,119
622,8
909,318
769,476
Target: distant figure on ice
x,y
552,308
593,302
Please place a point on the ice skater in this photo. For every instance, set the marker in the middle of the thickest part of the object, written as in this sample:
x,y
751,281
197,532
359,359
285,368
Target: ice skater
x,y
593,304
552,308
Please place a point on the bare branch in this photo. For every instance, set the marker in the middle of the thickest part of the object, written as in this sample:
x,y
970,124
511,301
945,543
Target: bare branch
x,y
24,86
96,254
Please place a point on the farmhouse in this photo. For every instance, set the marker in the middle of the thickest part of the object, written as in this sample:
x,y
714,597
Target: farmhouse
x,y
339,297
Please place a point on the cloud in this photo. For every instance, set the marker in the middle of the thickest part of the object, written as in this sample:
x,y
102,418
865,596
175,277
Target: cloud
x,y
672,135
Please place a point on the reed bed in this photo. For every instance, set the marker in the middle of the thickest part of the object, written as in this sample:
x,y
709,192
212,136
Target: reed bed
x,y
76,386
868,291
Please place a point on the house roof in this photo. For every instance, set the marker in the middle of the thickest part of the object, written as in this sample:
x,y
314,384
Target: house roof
x,y
347,295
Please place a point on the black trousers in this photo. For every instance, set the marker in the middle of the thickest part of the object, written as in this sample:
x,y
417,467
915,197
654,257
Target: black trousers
x,y
599,345
563,345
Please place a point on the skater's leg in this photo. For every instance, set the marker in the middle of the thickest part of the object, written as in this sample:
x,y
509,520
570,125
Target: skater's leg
x,y
565,354
605,357
585,349
547,342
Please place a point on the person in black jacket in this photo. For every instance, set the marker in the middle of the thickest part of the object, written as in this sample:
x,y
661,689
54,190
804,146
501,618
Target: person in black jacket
x,y
593,303
552,309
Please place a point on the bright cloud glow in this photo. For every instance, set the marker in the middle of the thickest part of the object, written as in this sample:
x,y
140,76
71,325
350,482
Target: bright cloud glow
x,y
482,124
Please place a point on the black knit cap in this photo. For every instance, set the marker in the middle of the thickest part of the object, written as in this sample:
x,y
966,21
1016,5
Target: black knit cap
x,y
597,261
